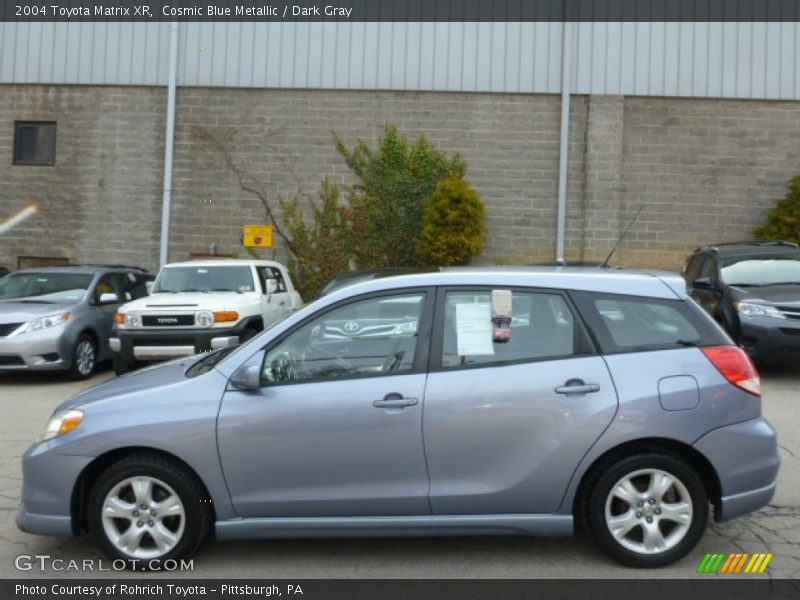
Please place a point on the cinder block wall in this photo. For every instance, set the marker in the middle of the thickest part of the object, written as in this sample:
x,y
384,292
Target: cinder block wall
x,y
101,202
705,170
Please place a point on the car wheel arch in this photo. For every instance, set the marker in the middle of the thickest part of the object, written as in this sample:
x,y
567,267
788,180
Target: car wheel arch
x,y
92,471
684,451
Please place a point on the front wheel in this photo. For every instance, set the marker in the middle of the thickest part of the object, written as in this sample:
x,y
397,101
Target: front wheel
x,y
122,365
146,509
84,358
648,510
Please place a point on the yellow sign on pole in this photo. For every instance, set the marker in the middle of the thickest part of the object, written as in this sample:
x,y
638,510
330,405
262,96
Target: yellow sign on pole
x,y
258,236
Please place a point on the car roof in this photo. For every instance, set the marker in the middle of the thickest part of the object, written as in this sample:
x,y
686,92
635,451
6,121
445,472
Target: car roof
x,y
80,269
749,248
224,262
634,282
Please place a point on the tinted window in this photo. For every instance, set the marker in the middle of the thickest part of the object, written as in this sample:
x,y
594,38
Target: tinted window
x,y
630,324
204,279
367,337
761,270
542,326
692,270
108,284
46,287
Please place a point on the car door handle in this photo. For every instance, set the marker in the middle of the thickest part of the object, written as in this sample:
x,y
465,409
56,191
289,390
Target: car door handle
x,y
394,401
577,386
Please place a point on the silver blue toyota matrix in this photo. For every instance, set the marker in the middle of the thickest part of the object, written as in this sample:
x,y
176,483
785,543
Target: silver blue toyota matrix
x,y
554,400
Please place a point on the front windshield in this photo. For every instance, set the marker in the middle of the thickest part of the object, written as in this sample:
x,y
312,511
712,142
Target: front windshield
x,y
45,287
172,280
761,270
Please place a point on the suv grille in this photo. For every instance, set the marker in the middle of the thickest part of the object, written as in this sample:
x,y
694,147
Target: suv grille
x,y
7,328
167,320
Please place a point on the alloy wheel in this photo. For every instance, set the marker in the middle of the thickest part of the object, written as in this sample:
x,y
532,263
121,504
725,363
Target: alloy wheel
x,y
84,357
143,517
649,511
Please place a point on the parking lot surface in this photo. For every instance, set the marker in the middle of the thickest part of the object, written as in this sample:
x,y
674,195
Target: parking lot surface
x,y
28,400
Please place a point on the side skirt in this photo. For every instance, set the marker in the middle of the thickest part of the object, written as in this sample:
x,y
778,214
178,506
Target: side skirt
x,y
417,526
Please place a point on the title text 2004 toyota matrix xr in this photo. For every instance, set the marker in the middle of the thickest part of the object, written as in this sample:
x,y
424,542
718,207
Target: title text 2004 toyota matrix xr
x,y
470,401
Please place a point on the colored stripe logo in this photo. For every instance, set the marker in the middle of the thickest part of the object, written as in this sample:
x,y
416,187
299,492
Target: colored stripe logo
x,y
735,563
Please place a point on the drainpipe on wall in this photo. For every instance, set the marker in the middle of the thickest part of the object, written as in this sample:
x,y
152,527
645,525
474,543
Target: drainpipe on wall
x,y
563,163
169,145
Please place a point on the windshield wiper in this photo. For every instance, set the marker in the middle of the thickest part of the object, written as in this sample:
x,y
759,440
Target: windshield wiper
x,y
687,343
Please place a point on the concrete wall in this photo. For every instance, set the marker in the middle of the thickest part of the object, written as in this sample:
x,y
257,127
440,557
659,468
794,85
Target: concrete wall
x,y
706,170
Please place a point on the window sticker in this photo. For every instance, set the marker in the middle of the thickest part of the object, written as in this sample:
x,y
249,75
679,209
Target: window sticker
x,y
474,329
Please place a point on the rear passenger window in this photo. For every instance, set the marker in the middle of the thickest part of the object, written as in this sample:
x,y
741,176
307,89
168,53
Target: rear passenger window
x,y
631,324
542,327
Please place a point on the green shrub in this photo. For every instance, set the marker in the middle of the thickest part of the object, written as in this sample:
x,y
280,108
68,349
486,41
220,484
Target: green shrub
x,y
453,227
387,205
322,248
783,220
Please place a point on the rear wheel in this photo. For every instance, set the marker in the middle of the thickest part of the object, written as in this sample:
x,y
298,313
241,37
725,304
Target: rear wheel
x,y
146,509
84,358
648,510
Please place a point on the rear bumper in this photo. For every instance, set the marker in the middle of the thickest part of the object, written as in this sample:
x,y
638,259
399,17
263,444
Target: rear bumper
x,y
745,457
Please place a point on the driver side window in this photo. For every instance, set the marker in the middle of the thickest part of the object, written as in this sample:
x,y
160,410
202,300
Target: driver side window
x,y
367,337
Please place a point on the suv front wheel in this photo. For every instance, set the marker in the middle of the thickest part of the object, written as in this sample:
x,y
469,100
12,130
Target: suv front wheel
x,y
648,510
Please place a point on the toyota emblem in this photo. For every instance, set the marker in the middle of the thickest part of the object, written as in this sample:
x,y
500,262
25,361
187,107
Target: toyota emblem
x,y
351,326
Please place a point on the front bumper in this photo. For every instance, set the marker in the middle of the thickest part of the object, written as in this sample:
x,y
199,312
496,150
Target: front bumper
x,y
162,344
35,351
48,482
777,339
745,457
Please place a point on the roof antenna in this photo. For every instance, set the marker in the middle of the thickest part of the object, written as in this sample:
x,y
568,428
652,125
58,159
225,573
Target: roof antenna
x,y
622,237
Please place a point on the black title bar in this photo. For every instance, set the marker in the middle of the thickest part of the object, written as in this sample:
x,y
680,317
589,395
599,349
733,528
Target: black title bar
x,y
400,10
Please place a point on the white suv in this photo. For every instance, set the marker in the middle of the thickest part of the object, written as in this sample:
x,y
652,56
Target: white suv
x,y
200,306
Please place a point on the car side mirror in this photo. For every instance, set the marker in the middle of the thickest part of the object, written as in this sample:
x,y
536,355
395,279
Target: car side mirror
x,y
107,298
149,287
246,377
702,283
272,286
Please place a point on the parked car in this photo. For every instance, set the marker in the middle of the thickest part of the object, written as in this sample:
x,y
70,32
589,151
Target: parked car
x,y
59,318
350,277
753,290
616,404
199,306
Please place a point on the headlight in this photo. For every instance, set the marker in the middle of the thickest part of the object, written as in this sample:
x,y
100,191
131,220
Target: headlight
x,y
133,320
750,309
48,321
62,421
204,319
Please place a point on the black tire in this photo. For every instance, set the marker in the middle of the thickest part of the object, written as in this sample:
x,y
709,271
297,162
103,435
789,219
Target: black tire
x,y
84,358
248,334
196,507
611,474
122,365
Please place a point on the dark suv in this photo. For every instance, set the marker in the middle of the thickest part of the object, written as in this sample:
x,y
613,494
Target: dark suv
x,y
753,290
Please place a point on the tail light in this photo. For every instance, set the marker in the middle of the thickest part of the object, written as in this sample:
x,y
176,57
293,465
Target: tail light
x,y
735,366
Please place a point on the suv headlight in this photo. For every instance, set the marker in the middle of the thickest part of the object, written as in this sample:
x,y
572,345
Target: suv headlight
x,y
48,321
62,421
133,320
204,318
751,309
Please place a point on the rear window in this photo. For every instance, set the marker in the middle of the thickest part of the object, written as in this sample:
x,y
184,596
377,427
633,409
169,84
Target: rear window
x,y
635,324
